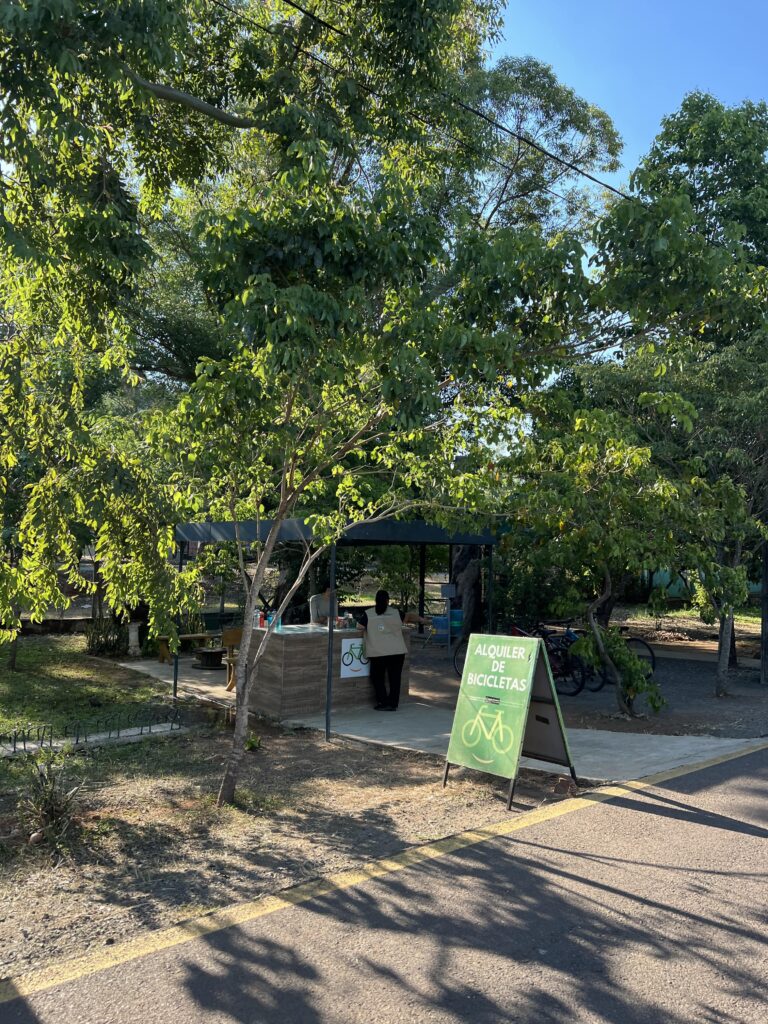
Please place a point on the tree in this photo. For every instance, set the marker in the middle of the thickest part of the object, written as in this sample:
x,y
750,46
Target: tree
x,y
709,165
588,498
357,313
121,113
523,185
331,401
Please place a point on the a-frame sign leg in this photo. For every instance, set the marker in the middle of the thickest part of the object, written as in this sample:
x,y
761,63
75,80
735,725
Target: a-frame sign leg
x,y
511,797
445,774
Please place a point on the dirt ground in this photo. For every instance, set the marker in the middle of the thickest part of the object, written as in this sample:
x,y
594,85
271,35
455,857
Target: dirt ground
x,y
687,686
150,848
691,709
684,627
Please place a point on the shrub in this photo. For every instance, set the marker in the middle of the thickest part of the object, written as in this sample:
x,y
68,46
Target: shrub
x,y
106,637
47,808
636,677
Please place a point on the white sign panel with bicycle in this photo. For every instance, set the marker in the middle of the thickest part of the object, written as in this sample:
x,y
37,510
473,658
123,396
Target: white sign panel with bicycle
x,y
354,664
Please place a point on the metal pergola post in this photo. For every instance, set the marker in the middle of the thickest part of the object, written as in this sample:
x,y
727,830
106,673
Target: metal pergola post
x,y
490,588
422,583
176,652
331,624
764,619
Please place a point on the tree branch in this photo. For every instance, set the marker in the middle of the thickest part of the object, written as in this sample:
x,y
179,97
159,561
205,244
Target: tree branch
x,y
185,99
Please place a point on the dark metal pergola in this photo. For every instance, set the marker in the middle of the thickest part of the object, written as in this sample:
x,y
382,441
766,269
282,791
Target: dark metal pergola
x,y
388,531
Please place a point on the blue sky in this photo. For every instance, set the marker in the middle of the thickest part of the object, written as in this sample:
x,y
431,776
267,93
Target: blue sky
x,y
638,60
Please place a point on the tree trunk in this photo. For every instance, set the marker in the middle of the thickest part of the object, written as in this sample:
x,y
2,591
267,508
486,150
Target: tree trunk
x,y
14,645
605,611
724,655
606,608
467,564
733,658
614,675
244,673
248,666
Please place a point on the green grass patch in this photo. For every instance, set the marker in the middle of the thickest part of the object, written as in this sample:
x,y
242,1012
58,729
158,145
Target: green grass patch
x,y
56,683
746,616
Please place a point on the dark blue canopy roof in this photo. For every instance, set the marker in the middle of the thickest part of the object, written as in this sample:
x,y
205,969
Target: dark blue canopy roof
x,y
389,531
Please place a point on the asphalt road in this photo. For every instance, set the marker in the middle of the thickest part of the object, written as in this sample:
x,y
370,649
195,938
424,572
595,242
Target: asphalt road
x,y
648,909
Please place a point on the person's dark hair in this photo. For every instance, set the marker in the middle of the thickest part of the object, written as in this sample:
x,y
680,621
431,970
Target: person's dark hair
x,y
382,601
324,584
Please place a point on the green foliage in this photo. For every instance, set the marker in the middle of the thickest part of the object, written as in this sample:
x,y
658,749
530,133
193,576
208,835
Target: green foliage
x,y
396,569
529,590
253,742
48,803
636,679
106,637
531,187
353,319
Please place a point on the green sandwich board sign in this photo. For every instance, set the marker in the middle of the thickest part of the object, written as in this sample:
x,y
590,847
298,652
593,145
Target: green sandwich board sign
x,y
507,708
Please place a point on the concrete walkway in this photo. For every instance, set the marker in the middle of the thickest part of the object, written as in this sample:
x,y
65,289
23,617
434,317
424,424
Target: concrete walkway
x,y
206,686
598,755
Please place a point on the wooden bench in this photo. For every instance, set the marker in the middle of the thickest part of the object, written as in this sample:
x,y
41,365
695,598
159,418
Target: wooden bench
x,y
163,644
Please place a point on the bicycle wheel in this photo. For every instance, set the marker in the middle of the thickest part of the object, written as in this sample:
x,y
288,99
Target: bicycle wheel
x,y
347,659
595,677
643,651
569,672
459,657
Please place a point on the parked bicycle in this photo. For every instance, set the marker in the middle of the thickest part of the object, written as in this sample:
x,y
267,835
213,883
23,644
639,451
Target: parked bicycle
x,y
597,677
568,669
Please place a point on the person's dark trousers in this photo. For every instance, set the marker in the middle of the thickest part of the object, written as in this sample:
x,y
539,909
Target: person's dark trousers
x,y
378,672
390,666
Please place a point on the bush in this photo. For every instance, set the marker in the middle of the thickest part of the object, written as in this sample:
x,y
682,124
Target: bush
x,y
637,680
47,808
106,637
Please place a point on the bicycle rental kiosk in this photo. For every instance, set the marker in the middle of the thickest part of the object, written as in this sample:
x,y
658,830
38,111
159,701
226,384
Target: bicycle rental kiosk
x,y
310,668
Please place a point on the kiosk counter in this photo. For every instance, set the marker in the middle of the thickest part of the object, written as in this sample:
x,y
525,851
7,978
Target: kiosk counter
x,y
292,674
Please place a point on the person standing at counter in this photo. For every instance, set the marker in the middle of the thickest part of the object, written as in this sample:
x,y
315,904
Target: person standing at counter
x,y
320,607
385,649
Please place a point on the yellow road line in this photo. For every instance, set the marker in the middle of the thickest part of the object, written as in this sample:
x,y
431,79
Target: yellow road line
x,y
241,913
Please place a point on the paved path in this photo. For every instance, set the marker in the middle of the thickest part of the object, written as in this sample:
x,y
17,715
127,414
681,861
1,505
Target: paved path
x,y
207,686
597,754
648,908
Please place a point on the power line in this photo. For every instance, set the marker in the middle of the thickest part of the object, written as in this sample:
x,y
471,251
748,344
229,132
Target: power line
x,y
468,108
373,92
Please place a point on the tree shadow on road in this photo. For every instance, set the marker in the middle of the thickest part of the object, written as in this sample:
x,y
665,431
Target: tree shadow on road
x,y
252,979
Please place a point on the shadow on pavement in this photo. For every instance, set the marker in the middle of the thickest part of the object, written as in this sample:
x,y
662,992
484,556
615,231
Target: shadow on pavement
x,y
493,935
684,812
508,930
18,1011
252,979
